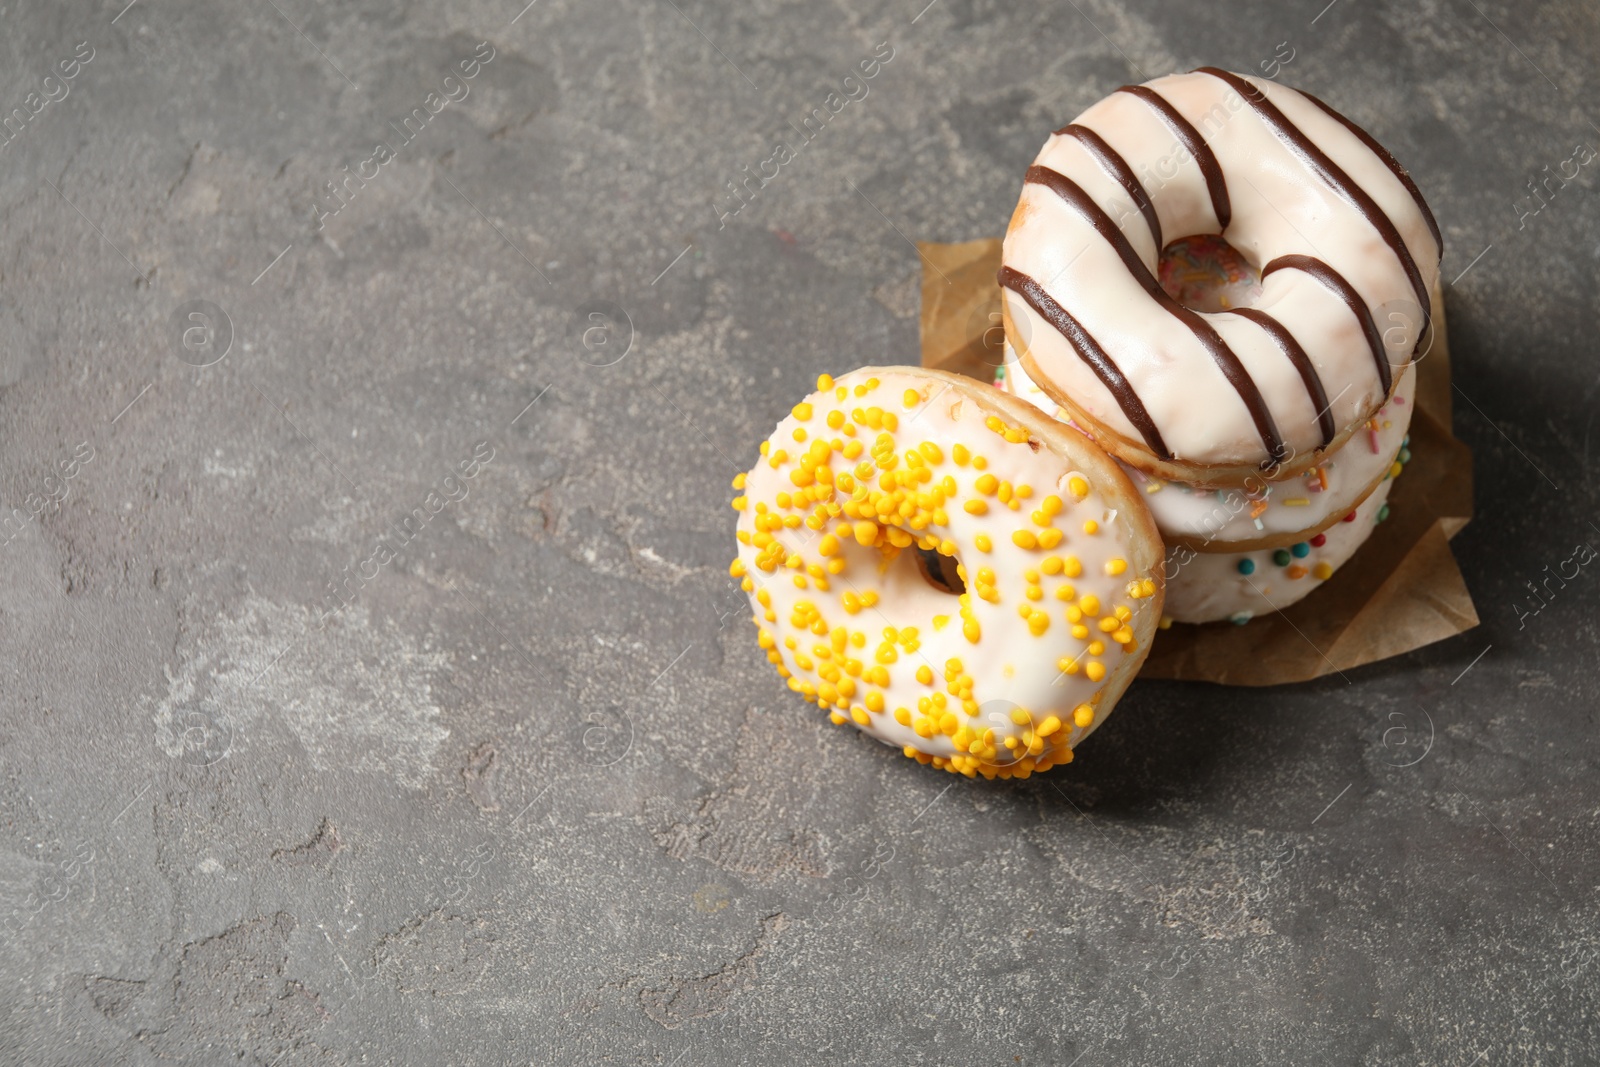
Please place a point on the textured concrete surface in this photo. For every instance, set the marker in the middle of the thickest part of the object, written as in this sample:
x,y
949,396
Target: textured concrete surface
x,y
526,792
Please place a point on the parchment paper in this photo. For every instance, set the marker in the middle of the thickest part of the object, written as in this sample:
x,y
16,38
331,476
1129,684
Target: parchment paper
x,y
1401,591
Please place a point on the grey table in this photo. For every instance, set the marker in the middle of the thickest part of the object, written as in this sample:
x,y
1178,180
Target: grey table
x,y
374,688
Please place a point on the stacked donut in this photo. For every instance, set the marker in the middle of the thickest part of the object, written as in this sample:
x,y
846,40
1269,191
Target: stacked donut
x,y
975,575
1265,434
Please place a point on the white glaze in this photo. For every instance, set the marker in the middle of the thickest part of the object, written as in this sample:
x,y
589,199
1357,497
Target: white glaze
x,y
1207,586
1220,520
1011,667
1280,207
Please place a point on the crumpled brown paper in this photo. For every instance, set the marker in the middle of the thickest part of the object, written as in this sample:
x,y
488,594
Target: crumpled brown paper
x,y
1401,591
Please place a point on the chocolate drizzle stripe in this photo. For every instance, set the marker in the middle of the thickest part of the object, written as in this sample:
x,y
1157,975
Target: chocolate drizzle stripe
x,y
1336,179
1302,363
1196,146
1103,366
1226,359
1113,164
1388,160
1336,283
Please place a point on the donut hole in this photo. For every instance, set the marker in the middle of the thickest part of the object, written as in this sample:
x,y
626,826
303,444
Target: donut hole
x,y
940,571
1205,273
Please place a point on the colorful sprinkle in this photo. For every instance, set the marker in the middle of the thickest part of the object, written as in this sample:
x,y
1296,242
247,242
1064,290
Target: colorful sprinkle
x,y
1300,550
1247,566
1281,557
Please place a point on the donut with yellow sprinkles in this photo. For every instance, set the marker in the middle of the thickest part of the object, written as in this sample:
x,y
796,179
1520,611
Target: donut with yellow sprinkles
x,y
948,569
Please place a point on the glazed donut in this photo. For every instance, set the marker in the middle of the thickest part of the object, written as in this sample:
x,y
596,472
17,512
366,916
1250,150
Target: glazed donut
x,y
1213,586
1264,514
1346,249
877,473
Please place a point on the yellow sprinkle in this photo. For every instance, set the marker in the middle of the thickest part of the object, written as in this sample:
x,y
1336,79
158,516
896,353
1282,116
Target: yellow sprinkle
x,y
1091,527
1322,571
970,630
983,542
1038,623
1095,670
1049,538
1078,487
738,480
1089,604
931,452
1050,725
987,484
1083,716
824,382
1051,565
1097,648
911,398
802,411
1024,539
1020,717
980,463
940,622
958,452
974,507
1115,567
865,533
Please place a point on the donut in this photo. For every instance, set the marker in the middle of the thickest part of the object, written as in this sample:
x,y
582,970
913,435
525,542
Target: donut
x,y
948,569
1264,514
1213,586
1344,245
